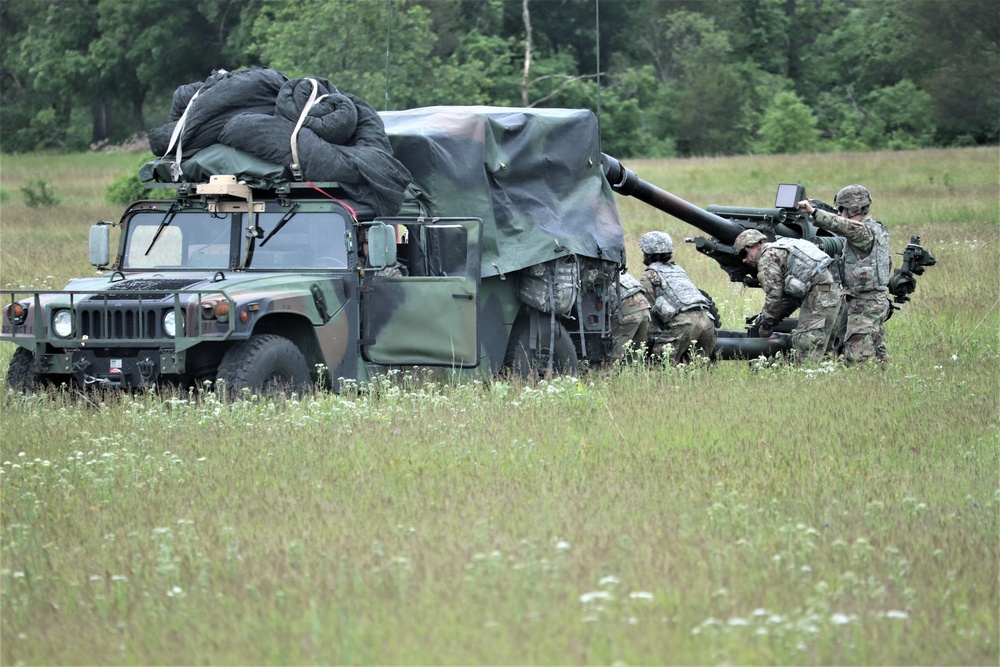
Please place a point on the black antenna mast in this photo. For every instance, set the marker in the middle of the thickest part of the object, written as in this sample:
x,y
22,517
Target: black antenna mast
x,y
597,33
388,33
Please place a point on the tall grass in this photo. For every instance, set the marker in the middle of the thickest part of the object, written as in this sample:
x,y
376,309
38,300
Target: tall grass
x,y
749,513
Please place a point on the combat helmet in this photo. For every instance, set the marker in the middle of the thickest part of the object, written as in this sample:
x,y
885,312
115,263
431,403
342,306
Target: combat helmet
x,y
746,239
855,199
656,243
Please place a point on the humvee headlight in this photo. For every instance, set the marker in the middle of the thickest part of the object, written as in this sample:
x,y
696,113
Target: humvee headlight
x,y
170,323
17,313
222,311
62,323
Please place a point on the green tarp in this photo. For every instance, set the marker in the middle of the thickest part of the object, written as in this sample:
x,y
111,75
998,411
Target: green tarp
x,y
533,175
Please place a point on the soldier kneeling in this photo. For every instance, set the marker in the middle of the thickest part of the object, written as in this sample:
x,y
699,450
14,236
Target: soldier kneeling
x,y
680,314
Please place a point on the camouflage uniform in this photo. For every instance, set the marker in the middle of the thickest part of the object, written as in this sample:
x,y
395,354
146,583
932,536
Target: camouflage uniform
x,y
394,271
680,314
785,269
630,319
864,267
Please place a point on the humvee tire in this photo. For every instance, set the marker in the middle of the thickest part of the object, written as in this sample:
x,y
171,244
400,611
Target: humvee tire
x,y
21,374
519,359
264,363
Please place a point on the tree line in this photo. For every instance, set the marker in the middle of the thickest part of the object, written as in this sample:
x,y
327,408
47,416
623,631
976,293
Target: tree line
x,y
666,77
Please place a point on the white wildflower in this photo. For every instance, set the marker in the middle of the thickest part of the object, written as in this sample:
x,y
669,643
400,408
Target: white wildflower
x,y
595,595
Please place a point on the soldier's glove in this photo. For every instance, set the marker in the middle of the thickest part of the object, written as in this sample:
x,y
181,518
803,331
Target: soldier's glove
x,y
764,330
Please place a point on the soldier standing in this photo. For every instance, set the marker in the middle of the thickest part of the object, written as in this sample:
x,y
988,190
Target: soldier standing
x,y
865,266
794,274
630,318
680,311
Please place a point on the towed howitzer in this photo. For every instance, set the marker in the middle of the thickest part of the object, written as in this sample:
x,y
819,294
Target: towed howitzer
x,y
723,224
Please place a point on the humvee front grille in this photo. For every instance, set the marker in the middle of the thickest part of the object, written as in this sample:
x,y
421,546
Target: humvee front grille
x,y
121,323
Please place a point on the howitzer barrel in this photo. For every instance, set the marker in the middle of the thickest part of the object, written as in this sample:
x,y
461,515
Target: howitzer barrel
x,y
627,183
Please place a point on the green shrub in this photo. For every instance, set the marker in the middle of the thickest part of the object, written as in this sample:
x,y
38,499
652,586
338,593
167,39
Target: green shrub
x,y
37,194
127,188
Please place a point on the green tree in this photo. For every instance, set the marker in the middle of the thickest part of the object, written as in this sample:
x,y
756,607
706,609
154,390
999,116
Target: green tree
x,y
788,126
346,42
97,60
955,48
481,71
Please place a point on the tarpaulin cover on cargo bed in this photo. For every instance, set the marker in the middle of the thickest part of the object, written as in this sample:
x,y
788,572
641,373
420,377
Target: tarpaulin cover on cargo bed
x,y
533,175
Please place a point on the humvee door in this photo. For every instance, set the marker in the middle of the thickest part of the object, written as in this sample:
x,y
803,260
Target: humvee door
x,y
429,315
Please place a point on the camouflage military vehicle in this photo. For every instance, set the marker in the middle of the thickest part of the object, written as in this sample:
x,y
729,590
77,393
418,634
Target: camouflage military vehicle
x,y
503,256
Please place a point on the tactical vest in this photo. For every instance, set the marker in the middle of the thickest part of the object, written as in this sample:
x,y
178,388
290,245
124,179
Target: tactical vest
x,y
805,262
630,285
871,272
675,293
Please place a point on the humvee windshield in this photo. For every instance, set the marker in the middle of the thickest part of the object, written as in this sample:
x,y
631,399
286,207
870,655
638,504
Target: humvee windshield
x,y
200,240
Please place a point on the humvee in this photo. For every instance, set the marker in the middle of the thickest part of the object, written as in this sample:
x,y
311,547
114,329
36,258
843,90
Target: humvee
x,y
503,257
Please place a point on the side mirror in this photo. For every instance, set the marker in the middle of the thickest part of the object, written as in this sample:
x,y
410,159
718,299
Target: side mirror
x,y
381,246
100,245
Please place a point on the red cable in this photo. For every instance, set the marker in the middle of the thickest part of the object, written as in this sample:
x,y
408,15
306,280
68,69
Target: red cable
x,y
339,201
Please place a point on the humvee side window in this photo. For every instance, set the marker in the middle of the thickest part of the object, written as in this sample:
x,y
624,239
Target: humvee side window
x,y
439,250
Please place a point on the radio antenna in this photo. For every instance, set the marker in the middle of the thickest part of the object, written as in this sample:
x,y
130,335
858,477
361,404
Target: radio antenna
x,y
597,49
388,33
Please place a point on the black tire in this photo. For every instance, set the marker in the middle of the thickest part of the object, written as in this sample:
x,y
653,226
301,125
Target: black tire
x,y
265,363
712,309
21,373
521,361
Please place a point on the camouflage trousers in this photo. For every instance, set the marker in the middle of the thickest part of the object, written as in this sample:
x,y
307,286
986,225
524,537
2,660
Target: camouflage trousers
x,y
685,328
630,323
818,317
862,327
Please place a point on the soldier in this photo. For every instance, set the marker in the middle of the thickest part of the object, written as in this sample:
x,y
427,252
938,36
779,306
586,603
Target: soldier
x,y
864,269
794,274
680,311
630,318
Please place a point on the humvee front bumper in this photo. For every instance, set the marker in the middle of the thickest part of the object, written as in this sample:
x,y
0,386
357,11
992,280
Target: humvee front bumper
x,y
113,339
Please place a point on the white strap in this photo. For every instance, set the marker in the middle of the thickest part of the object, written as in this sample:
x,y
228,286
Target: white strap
x,y
177,136
310,103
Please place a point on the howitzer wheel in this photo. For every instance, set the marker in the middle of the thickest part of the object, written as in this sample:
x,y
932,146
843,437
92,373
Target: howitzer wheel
x,y
265,363
522,361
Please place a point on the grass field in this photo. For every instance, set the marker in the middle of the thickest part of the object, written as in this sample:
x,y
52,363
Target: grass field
x,y
744,513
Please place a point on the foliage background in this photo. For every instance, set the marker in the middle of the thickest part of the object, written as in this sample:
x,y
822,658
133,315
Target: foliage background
x,y
669,77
